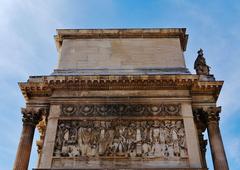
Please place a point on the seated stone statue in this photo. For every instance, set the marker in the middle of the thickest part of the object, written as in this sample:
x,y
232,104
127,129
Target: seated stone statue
x,y
200,64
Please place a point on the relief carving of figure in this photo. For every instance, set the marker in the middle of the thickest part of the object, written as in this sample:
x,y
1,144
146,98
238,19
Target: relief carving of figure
x,y
102,142
156,132
146,148
131,140
105,141
170,150
182,142
85,135
121,147
138,141
175,139
161,134
61,139
73,134
73,151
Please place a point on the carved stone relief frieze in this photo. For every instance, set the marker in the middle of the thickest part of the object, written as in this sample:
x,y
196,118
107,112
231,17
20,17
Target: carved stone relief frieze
x,y
121,110
161,139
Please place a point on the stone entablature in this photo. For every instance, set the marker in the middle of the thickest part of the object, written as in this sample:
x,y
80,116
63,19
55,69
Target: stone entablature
x,y
43,86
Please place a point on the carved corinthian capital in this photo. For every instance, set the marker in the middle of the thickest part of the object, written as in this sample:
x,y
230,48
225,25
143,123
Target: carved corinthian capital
x,y
32,116
213,114
199,118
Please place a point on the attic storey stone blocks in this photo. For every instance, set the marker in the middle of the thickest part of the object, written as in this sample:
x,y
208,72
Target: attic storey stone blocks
x,y
122,99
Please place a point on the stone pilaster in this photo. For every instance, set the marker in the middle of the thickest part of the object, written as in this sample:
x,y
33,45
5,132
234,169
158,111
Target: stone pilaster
x,y
49,139
31,117
200,121
215,139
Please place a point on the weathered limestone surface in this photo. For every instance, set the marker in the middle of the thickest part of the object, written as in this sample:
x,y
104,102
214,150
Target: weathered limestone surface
x,y
121,53
48,147
191,135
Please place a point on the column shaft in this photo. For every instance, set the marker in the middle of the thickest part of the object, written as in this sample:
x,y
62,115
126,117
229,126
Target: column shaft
x,y
24,147
31,117
217,148
203,144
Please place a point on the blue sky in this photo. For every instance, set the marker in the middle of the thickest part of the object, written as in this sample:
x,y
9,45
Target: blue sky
x,y
27,48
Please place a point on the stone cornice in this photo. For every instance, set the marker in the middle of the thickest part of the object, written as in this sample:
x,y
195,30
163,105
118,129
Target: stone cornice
x,y
43,86
122,33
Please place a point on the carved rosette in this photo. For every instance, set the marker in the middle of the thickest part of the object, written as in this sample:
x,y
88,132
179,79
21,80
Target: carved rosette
x,y
121,110
32,116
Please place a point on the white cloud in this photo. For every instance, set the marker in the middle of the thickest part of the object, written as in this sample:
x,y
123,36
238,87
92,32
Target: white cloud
x,y
22,54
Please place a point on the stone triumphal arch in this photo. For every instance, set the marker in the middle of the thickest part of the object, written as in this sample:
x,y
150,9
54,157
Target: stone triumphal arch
x,y
122,99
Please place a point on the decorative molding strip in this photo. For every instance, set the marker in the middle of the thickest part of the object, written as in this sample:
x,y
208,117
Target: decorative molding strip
x,y
121,110
121,72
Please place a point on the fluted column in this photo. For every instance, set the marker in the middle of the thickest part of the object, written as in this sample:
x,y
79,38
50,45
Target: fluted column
x,y
215,139
31,117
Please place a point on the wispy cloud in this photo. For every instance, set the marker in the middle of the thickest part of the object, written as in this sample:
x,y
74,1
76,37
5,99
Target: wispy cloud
x,y
26,48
